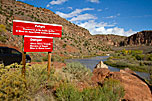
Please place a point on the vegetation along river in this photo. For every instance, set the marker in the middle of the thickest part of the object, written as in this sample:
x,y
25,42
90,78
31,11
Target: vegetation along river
x,y
93,61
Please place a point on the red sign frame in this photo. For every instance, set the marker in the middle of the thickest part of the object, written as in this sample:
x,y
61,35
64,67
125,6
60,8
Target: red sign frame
x,y
38,44
36,29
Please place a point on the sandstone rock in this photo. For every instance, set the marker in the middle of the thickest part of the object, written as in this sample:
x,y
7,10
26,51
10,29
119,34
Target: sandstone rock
x,y
135,88
101,65
99,74
127,70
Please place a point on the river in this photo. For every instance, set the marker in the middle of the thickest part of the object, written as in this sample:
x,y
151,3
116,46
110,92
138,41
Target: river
x,y
93,61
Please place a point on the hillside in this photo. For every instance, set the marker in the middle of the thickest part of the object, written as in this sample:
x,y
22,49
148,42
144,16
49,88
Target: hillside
x,y
76,41
140,38
110,40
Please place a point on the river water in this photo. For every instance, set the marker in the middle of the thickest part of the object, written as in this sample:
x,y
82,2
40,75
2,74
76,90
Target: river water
x,y
93,61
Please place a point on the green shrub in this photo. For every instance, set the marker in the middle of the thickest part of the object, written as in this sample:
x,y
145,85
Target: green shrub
x,y
150,57
57,58
37,78
3,38
139,57
135,52
45,58
37,60
13,86
111,91
68,92
78,71
64,46
2,28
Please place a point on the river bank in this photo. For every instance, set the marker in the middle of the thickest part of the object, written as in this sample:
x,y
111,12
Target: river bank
x,y
135,87
93,61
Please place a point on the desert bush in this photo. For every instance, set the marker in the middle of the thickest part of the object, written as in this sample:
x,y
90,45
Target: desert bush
x,y
78,71
64,46
14,65
57,58
139,56
13,86
3,38
68,92
135,52
37,77
111,91
116,63
150,57
2,28
45,58
37,60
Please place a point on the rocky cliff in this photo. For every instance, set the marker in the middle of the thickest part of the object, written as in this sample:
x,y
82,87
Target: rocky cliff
x,y
140,38
110,40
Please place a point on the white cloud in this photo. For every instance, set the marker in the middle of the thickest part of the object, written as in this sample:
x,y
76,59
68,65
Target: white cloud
x,y
83,17
48,5
56,2
100,28
74,13
94,1
110,17
70,7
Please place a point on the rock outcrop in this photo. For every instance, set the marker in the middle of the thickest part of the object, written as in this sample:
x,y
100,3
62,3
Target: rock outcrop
x,y
110,40
99,74
140,38
101,65
135,87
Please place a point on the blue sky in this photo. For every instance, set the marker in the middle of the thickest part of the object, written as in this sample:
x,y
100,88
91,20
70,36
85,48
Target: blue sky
x,y
120,17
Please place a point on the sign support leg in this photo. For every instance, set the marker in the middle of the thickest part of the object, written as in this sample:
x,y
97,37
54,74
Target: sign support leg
x,y
24,63
49,63
23,58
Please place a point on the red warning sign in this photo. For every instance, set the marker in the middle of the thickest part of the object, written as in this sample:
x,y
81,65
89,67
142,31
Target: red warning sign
x,y
38,44
36,29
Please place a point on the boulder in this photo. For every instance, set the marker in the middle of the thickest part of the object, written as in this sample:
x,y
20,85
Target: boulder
x,y
99,74
127,70
135,88
101,65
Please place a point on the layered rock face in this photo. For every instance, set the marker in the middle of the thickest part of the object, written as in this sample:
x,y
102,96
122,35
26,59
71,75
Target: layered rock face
x,y
110,40
135,87
140,38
